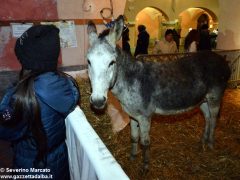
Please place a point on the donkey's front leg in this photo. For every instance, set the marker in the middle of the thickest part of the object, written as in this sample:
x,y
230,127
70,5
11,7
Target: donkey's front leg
x,y
144,124
134,138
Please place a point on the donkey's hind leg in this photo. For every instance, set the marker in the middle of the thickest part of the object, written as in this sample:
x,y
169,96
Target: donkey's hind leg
x,y
134,138
214,107
210,110
205,110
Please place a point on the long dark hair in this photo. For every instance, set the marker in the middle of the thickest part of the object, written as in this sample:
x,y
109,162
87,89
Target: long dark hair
x,y
193,35
26,108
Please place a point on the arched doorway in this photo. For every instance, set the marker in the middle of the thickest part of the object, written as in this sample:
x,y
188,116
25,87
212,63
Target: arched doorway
x,y
152,18
194,18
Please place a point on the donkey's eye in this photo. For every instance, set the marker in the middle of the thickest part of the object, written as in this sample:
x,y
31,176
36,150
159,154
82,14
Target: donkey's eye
x,y
111,63
89,63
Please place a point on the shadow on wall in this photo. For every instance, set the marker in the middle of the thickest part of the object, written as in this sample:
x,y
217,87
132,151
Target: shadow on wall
x,y
226,40
7,78
8,60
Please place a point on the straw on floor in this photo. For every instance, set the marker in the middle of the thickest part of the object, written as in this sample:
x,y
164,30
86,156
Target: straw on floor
x,y
176,151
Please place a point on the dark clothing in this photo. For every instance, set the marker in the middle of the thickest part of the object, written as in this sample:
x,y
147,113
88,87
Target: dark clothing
x,y
57,97
204,42
125,38
126,47
142,43
213,40
176,38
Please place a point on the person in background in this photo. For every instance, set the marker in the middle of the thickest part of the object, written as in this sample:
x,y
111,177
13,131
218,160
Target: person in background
x,y
176,38
204,42
167,45
142,42
191,41
213,39
33,110
125,39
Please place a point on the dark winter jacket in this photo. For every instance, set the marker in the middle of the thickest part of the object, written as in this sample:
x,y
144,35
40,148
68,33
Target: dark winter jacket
x,y
204,42
142,43
57,96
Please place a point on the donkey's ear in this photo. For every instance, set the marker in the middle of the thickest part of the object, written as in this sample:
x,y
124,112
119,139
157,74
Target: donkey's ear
x,y
116,32
92,32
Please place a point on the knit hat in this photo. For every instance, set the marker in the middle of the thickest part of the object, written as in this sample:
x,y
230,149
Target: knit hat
x,y
38,48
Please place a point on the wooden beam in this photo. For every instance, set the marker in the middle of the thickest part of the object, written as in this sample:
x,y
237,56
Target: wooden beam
x,y
35,22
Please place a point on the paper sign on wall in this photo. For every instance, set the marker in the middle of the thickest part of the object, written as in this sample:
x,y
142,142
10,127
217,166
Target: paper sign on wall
x,y
18,28
67,33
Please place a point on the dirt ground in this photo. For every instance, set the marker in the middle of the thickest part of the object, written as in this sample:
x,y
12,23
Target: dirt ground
x,y
176,151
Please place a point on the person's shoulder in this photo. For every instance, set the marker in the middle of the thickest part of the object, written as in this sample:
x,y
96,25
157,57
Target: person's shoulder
x,y
51,80
145,33
55,89
194,43
162,42
52,76
173,42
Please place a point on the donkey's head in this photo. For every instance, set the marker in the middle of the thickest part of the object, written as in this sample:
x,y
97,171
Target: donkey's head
x,y
102,60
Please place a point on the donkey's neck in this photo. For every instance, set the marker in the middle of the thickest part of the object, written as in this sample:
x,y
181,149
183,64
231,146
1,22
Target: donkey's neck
x,y
128,69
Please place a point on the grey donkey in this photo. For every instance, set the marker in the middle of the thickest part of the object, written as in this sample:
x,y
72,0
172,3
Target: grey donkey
x,y
145,88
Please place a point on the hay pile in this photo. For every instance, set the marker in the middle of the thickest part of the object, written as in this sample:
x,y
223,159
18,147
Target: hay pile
x,y
175,149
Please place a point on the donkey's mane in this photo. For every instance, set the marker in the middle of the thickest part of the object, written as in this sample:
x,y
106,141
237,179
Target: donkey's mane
x,y
127,61
134,70
103,34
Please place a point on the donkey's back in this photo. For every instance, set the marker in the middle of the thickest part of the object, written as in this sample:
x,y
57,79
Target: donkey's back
x,y
182,84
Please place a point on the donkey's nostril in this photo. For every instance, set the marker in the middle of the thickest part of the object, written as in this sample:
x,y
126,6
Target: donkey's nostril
x,y
104,99
91,101
98,103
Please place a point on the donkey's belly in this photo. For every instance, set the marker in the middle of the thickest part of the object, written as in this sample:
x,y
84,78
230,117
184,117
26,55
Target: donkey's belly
x,y
172,111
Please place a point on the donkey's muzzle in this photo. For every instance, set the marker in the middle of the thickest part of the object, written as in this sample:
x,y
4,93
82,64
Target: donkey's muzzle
x,y
98,103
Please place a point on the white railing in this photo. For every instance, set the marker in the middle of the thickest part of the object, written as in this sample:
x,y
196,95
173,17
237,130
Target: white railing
x,y
89,158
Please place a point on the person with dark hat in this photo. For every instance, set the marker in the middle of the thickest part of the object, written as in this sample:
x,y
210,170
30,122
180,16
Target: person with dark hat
x,y
33,110
142,41
125,38
204,42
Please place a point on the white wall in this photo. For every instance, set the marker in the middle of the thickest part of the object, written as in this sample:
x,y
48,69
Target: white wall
x,y
229,25
78,9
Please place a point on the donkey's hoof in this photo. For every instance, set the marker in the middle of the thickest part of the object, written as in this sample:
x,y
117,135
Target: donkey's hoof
x,y
204,141
133,157
204,147
145,169
210,145
207,145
